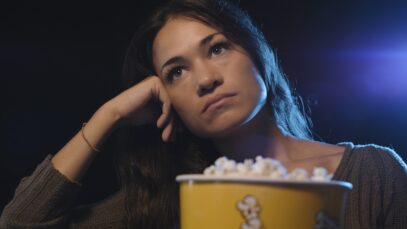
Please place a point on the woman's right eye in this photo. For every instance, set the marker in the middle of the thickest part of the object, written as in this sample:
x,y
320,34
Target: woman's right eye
x,y
173,73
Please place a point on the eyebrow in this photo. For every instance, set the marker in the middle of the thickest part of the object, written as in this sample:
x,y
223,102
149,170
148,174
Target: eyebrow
x,y
177,59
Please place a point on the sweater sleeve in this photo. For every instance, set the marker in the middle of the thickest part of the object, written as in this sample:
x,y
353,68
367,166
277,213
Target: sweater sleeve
x,y
379,197
45,200
41,200
394,189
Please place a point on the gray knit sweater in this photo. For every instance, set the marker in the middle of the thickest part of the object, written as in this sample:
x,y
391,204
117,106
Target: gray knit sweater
x,y
46,199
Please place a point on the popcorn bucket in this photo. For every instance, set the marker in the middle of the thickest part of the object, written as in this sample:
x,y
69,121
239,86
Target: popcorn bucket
x,y
260,203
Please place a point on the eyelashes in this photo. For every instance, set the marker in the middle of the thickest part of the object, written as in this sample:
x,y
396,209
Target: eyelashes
x,y
174,72
215,50
219,48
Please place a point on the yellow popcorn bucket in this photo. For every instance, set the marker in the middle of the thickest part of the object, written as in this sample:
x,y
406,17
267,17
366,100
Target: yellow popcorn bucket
x,y
263,203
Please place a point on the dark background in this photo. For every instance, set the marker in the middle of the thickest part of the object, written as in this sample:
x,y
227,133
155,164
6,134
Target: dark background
x,y
59,61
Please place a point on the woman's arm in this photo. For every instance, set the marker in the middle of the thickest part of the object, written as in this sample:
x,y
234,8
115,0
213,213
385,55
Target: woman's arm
x,y
128,107
46,198
76,156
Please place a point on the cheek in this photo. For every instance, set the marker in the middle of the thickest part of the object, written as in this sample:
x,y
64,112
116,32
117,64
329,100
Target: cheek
x,y
261,91
188,113
249,79
184,106
254,89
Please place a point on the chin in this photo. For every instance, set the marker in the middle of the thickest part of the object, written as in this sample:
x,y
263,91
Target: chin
x,y
220,128
227,123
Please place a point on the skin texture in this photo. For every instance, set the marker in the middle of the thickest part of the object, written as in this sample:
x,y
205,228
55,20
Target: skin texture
x,y
206,72
127,108
215,72
240,125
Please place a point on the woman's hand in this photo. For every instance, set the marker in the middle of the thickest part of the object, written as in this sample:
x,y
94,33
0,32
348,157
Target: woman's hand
x,y
140,105
137,105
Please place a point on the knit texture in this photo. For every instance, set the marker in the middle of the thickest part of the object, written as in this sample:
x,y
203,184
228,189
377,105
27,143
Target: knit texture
x,y
378,199
379,195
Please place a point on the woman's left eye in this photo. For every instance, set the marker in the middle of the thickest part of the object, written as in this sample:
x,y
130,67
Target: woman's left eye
x,y
218,48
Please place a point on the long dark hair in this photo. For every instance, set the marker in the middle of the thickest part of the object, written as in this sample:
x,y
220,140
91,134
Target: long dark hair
x,y
147,165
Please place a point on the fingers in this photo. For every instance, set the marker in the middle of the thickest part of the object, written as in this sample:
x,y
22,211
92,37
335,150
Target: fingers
x,y
166,120
165,115
168,131
151,91
165,107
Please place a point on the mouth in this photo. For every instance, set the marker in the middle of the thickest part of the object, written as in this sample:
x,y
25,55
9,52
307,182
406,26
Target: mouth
x,y
216,100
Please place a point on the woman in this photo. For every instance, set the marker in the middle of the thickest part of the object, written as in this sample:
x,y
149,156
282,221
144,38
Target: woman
x,y
204,75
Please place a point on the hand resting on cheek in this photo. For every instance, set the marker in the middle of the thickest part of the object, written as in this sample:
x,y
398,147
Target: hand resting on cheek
x,y
141,103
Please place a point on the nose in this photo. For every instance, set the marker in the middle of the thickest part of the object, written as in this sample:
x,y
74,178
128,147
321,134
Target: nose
x,y
208,80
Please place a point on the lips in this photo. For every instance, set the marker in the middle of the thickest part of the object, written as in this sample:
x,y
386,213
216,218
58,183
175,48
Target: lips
x,y
211,101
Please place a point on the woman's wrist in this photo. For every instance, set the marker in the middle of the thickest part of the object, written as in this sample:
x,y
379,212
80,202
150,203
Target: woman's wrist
x,y
108,115
76,156
100,125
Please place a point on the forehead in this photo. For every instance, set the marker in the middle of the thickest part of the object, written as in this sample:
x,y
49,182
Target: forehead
x,y
177,36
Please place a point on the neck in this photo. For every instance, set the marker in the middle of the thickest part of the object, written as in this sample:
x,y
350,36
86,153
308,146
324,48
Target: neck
x,y
258,137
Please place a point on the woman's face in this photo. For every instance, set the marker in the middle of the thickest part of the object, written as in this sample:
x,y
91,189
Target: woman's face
x,y
213,84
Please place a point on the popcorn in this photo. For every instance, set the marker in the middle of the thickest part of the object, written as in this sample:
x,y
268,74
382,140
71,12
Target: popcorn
x,y
230,166
245,167
223,166
298,174
279,173
209,170
264,167
320,174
